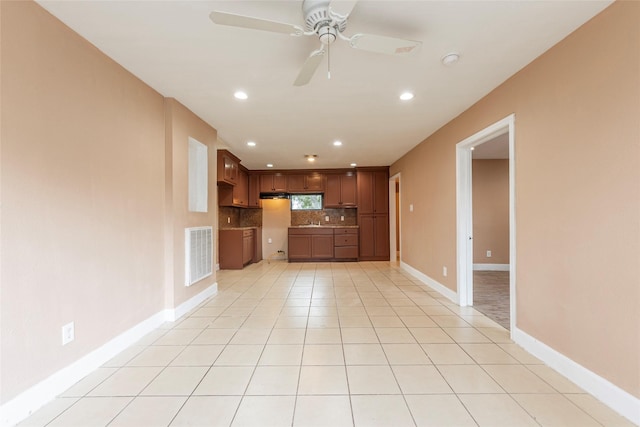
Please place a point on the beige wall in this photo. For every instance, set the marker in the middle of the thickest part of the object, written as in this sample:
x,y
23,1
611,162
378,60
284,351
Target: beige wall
x,y
490,211
84,206
577,160
276,219
180,125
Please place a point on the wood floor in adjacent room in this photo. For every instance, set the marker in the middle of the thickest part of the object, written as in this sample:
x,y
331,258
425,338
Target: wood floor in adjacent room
x,y
491,295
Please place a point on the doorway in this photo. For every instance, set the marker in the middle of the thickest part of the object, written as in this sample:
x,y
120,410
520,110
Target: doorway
x,y
504,131
394,219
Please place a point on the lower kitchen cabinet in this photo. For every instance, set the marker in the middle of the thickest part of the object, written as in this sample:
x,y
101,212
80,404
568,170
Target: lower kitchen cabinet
x,y
323,244
236,247
374,237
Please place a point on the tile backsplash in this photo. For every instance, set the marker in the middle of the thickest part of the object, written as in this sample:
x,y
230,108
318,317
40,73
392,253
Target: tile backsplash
x,y
238,217
307,217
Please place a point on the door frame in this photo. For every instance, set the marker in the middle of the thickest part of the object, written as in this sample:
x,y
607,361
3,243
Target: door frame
x,y
464,212
394,216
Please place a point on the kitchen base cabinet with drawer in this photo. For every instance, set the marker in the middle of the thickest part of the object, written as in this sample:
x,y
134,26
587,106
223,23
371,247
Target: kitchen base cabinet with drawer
x,y
323,244
345,242
236,247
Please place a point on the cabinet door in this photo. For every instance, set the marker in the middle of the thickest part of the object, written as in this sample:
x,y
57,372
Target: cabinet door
x,y
295,183
322,246
241,190
348,189
381,192
279,182
367,236
299,246
266,183
247,249
228,166
365,192
254,191
332,196
314,182
381,236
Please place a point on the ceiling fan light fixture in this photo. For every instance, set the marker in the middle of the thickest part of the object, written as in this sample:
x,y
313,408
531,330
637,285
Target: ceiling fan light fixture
x,y
407,96
240,94
450,58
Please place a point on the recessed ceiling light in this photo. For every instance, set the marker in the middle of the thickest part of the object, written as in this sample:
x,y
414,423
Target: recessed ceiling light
x,y
269,165
241,95
337,143
251,144
450,58
406,96
353,165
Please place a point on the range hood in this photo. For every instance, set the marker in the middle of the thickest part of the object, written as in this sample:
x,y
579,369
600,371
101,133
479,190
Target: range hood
x,y
275,195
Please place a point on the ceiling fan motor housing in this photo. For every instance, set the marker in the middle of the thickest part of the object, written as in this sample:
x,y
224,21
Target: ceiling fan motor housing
x,y
317,17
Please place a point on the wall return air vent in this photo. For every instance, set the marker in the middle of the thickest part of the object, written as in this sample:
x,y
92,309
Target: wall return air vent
x,y
198,254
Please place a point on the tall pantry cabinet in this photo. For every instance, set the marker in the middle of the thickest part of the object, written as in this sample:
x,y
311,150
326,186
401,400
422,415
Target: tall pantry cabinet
x,y
373,213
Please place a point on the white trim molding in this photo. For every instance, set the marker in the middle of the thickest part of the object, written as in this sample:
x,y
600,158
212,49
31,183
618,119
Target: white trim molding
x,y
173,314
433,284
23,405
490,267
611,395
26,403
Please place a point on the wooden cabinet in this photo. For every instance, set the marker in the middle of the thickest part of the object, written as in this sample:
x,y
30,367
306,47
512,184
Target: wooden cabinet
x,y
374,237
228,167
345,241
373,214
373,191
310,244
257,237
236,248
235,195
254,191
305,183
340,191
273,182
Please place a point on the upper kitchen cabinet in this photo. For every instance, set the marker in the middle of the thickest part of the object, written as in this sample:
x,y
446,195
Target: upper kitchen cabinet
x,y
340,191
228,167
273,182
235,195
254,191
373,191
307,183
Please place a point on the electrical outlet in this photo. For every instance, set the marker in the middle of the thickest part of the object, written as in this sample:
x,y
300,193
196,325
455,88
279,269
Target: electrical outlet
x,y
488,254
444,271
68,333
411,207
326,218
341,217
228,220
269,240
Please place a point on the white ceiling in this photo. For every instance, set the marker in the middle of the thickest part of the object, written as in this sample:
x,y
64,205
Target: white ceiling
x,y
177,50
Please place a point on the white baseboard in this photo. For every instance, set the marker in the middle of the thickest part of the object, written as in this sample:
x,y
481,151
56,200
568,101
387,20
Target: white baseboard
x,y
40,394
27,402
491,267
173,314
611,395
436,286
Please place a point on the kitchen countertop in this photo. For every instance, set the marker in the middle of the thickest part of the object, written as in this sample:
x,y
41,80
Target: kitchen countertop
x,y
324,226
238,228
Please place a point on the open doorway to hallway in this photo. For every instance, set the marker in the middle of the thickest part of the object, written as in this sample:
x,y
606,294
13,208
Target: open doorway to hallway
x,y
486,222
394,218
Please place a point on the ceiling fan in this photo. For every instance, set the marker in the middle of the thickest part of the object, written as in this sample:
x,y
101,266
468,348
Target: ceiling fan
x,y
326,20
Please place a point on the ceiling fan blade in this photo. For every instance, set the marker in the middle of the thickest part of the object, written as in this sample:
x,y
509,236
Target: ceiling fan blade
x,y
382,44
342,7
231,19
309,67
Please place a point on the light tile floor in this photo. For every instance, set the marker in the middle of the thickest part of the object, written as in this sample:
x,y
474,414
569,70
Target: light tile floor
x,y
347,344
